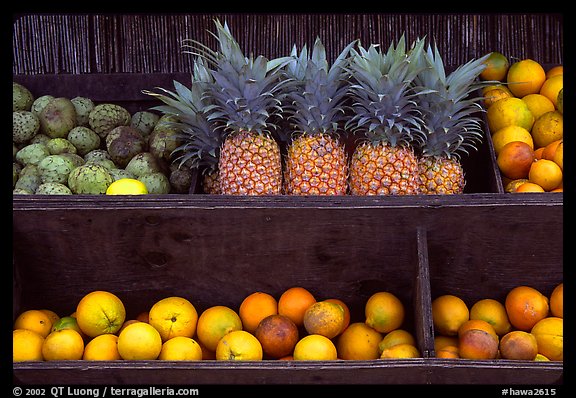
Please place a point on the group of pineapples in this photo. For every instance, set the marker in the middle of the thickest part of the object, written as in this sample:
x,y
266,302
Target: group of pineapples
x,y
255,126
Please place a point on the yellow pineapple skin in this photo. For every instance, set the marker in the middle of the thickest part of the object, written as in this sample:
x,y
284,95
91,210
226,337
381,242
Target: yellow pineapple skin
x,y
250,164
382,169
316,165
441,176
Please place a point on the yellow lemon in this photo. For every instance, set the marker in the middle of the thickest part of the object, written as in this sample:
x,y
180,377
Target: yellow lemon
x,y
26,345
127,186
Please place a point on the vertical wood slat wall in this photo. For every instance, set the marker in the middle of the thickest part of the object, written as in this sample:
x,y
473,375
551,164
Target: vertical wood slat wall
x,y
150,43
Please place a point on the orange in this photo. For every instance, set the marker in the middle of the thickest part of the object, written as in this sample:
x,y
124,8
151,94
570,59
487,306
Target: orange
x,y
513,185
491,96
52,315
548,128
384,312
294,302
126,323
278,335
476,324
324,318
441,341
180,348
398,336
540,357
26,345
515,159
498,86
314,347
509,134
100,312
173,316
477,344
556,301
239,345
102,348
550,150
525,77
538,153
359,342
215,322
552,87
139,341
525,306
35,320
560,101
449,312
493,312
255,307
529,187
449,351
545,173
63,345
346,311
509,111
554,71
538,104
400,351
496,67
558,157
518,344
549,334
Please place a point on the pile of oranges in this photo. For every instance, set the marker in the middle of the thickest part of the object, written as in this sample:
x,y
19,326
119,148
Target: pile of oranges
x,y
296,326
527,325
524,110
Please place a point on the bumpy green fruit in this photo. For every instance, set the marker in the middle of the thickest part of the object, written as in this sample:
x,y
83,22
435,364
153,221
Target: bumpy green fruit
x,y
104,117
144,121
84,139
22,98
83,106
57,146
39,103
156,183
32,154
89,178
55,168
58,117
53,188
25,125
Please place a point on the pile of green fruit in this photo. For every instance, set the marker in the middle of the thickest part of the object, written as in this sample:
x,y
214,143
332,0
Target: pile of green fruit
x,y
65,146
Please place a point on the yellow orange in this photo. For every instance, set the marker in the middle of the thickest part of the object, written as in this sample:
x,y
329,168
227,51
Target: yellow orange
x,y
529,187
399,351
26,345
449,312
477,344
449,351
550,150
509,111
398,336
214,323
549,334
255,307
100,312
525,306
294,302
538,104
359,342
554,71
547,128
525,77
513,185
173,316
556,301
63,345
314,347
515,159
180,348
491,96
498,86
324,318
346,311
441,341
35,320
384,312
493,312
139,341
552,87
509,134
519,344
52,315
477,324
545,173
558,157
497,65
239,345
103,347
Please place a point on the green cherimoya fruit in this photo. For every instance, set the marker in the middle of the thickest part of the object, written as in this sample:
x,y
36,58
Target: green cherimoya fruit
x,y
96,154
16,168
104,117
53,188
107,163
58,117
164,139
83,106
29,178
84,139
144,163
56,168
156,183
57,146
32,154
22,98
40,139
118,174
144,122
40,102
25,125
89,178
22,191
74,157
123,143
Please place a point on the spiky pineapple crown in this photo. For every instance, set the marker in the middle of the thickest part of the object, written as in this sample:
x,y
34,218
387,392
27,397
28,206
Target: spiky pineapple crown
x,y
318,96
247,91
201,139
448,105
384,107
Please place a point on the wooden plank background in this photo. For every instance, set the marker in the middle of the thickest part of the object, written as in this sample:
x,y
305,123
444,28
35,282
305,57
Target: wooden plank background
x,y
151,43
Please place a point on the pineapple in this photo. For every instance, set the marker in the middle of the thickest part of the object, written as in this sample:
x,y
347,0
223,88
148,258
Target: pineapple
x,y
316,160
451,127
201,139
385,111
247,93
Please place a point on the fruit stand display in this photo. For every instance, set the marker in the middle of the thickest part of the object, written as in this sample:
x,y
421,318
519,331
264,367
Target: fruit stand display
x,y
132,229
